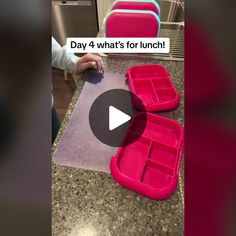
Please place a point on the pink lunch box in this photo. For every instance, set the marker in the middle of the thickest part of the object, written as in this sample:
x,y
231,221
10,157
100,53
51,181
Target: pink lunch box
x,y
132,23
152,84
150,165
150,5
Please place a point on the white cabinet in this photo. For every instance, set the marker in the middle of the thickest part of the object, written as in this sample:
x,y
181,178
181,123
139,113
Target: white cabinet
x,y
102,7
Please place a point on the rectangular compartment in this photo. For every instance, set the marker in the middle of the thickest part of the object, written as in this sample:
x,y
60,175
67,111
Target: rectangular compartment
x,y
158,128
145,91
135,153
163,154
161,83
165,95
148,72
155,175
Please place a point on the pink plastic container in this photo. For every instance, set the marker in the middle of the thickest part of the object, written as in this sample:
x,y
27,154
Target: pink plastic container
x,y
131,24
152,84
150,165
150,5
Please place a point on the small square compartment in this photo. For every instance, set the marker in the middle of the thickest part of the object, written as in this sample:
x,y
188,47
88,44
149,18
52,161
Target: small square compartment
x,y
156,176
165,95
162,83
135,153
163,154
145,91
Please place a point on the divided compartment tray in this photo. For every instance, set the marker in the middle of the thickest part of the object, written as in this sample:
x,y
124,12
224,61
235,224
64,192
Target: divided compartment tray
x,y
121,23
150,165
153,85
151,5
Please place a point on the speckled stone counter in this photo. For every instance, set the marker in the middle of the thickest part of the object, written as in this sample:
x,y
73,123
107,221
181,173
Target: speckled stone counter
x,y
87,203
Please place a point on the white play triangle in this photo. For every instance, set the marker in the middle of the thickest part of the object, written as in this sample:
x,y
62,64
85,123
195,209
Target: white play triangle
x,y
117,118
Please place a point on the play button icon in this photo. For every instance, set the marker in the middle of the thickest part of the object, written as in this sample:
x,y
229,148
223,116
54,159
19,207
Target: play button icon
x,y
117,118
110,117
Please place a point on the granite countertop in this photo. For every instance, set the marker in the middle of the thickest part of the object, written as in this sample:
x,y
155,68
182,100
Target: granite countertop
x,y
92,203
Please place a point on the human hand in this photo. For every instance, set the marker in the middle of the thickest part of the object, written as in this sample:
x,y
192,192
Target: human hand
x,y
88,61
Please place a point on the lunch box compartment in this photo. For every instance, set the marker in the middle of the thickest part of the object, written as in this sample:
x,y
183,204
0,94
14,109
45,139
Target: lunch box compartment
x,y
150,165
153,85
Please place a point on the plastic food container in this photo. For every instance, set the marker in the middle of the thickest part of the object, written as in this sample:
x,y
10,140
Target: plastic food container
x,y
150,165
150,5
132,23
153,85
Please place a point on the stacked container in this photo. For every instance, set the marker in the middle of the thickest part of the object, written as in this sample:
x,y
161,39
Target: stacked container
x,y
132,18
149,165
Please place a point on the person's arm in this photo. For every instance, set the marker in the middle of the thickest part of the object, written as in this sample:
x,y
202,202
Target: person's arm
x,y
63,60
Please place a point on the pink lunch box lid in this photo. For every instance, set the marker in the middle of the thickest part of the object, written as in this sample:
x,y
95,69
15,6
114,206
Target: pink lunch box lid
x,y
150,166
132,23
152,84
150,5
